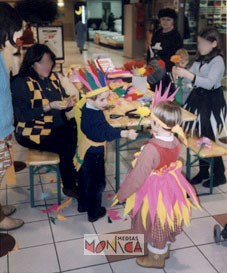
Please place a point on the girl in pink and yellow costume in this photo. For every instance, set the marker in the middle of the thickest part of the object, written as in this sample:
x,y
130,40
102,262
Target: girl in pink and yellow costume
x,y
155,190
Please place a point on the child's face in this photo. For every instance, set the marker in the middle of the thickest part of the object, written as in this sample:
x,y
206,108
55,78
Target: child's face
x,y
154,128
102,101
204,46
183,62
167,23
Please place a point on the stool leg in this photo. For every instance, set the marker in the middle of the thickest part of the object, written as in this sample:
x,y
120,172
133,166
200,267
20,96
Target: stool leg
x,y
188,165
58,185
211,161
31,174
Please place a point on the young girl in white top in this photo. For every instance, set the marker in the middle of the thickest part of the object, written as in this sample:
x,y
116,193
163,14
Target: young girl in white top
x,y
206,99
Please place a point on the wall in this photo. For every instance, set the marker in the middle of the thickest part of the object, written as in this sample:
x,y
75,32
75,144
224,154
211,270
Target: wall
x,y
157,5
133,45
67,19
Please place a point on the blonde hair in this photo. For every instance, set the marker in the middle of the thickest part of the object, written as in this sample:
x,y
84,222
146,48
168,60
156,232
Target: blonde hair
x,y
183,53
168,112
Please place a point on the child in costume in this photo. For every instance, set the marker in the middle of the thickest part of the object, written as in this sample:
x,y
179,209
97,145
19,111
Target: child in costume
x,y
181,59
206,99
95,131
155,190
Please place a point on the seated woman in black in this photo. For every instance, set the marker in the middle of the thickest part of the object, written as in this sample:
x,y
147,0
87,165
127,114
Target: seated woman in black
x,y
40,103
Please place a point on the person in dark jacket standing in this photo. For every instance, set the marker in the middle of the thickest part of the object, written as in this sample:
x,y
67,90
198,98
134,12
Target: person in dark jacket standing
x,y
167,36
80,35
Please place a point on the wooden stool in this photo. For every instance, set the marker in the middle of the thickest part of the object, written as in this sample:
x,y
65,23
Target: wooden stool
x,y
37,160
204,154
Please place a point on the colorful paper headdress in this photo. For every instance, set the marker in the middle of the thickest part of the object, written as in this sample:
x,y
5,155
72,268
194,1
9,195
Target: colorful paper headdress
x,y
93,79
158,97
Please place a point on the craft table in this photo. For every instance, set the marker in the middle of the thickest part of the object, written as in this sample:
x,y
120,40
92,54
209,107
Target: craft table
x,y
125,122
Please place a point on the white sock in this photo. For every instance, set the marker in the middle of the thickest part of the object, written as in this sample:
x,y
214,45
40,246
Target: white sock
x,y
157,250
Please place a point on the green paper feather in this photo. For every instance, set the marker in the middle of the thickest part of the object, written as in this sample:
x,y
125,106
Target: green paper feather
x,y
91,81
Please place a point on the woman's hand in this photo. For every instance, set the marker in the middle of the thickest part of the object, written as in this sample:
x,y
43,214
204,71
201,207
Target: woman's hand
x,y
58,105
181,72
70,101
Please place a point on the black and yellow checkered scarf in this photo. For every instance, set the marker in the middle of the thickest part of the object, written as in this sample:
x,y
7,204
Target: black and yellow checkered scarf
x,y
37,129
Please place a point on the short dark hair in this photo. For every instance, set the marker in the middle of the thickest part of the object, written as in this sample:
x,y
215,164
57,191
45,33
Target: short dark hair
x,y
10,22
34,54
167,12
210,34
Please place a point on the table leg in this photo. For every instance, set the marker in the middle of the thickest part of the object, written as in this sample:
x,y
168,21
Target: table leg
x,y
117,168
188,165
211,174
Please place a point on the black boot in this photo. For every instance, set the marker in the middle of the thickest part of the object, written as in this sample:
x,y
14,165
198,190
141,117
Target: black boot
x,y
199,178
216,182
101,213
71,192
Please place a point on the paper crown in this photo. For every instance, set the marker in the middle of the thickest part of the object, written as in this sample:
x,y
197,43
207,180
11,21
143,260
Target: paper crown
x,y
158,97
93,79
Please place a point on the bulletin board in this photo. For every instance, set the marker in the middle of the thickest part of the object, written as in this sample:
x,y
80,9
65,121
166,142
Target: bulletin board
x,y
52,36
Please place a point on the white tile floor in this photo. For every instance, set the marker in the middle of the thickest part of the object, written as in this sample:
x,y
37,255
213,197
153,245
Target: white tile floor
x,y
45,247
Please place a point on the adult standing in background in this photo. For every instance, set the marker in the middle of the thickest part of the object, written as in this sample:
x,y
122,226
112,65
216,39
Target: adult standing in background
x,y
10,22
80,35
27,38
167,36
111,22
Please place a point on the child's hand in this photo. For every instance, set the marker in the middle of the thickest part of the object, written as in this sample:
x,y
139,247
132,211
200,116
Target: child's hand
x,y
184,73
179,72
132,134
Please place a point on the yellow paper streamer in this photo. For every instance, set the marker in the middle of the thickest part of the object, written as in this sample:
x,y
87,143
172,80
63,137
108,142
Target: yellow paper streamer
x,y
61,217
65,204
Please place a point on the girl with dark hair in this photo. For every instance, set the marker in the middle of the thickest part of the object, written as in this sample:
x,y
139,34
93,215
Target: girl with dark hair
x,y
40,103
10,22
206,99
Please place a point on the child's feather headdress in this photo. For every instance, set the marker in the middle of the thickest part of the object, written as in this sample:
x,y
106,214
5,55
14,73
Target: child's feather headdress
x,y
93,79
158,97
